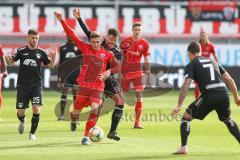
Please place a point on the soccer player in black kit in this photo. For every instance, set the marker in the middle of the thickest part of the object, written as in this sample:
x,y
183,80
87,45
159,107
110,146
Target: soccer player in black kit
x,y
68,51
112,88
29,83
214,94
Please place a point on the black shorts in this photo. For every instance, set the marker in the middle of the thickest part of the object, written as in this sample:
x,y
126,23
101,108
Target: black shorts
x,y
112,86
200,108
24,95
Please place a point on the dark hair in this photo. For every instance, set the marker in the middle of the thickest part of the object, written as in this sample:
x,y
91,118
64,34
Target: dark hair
x,y
136,24
94,34
113,31
32,31
194,48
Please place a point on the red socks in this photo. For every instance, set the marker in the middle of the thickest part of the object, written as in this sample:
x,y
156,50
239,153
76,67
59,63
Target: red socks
x,y
138,111
92,120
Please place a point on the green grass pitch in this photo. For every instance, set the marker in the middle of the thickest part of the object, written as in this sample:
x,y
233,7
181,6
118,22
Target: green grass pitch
x,y
209,139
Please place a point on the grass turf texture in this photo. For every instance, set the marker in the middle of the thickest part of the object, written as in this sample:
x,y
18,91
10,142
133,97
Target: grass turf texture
x,y
209,139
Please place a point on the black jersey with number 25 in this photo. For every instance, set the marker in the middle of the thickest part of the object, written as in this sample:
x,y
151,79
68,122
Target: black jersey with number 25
x,y
207,74
29,73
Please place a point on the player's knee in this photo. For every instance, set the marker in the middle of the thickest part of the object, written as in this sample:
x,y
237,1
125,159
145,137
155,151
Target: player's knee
x,y
36,109
95,108
120,101
139,95
186,117
21,112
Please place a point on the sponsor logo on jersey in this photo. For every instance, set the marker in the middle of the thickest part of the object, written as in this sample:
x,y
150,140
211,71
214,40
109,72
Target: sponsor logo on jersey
x,y
215,85
22,48
140,47
70,55
38,55
30,62
25,54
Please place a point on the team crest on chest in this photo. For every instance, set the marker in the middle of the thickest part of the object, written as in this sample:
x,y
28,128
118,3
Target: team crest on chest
x,y
102,55
75,48
38,55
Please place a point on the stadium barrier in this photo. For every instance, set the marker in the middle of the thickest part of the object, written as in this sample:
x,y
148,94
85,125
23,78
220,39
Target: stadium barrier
x,y
171,78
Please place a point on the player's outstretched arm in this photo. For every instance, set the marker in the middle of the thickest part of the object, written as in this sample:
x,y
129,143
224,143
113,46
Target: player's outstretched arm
x,y
70,32
77,15
182,96
232,86
52,52
3,67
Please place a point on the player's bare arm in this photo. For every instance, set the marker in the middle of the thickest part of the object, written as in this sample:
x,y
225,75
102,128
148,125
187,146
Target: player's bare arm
x,y
215,57
232,86
147,69
182,96
3,67
52,51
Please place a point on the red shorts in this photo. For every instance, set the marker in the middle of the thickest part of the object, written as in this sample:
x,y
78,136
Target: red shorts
x,y
137,84
87,96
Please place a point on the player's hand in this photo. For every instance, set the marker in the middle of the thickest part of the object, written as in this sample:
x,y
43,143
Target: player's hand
x,y
4,74
148,81
76,13
53,49
175,111
58,15
237,101
103,76
9,59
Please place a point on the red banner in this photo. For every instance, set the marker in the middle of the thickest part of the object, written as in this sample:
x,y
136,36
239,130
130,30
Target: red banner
x,y
158,19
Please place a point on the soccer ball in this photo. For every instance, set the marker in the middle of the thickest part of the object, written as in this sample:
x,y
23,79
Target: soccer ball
x,y
96,134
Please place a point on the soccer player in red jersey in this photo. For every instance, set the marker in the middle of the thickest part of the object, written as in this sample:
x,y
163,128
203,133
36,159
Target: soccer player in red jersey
x,y
208,48
134,48
3,74
91,78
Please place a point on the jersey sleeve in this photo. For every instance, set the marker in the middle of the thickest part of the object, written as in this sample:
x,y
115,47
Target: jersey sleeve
x,y
45,59
1,52
115,67
146,50
61,57
16,56
117,52
70,32
189,71
85,28
221,70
